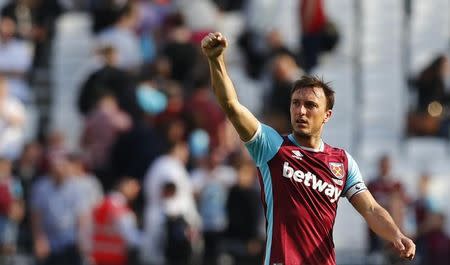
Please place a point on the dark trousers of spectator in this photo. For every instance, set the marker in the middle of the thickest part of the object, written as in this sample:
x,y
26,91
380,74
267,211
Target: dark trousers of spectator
x,y
376,244
68,256
311,49
212,247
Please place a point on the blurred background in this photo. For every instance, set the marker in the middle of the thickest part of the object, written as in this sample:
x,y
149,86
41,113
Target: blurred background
x,y
113,150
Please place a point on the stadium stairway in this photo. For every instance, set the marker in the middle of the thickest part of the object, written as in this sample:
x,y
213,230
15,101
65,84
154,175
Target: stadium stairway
x,y
429,32
71,63
382,108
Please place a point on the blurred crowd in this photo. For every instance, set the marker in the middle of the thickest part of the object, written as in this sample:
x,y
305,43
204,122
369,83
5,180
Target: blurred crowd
x,y
430,113
159,176
417,214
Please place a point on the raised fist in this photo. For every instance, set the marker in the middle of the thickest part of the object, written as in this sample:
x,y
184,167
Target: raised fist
x,y
214,44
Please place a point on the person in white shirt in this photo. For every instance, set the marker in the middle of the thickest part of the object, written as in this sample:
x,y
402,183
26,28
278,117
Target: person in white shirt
x,y
169,168
16,57
12,123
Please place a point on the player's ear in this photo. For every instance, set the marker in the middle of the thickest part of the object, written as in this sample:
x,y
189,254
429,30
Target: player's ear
x,y
328,114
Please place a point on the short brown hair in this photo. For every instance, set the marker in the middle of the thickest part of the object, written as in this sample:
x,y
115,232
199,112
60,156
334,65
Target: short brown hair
x,y
307,81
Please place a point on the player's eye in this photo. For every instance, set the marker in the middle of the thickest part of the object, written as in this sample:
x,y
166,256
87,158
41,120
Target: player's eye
x,y
311,105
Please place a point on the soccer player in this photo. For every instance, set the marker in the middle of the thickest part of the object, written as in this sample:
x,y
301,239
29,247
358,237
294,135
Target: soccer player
x,y
301,177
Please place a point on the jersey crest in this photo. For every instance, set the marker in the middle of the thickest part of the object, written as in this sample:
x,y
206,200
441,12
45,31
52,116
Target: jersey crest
x,y
337,169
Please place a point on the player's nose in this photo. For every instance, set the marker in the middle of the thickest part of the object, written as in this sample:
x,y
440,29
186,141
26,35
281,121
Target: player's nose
x,y
302,110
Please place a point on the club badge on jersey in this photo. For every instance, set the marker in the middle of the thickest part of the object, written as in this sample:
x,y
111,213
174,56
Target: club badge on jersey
x,y
338,171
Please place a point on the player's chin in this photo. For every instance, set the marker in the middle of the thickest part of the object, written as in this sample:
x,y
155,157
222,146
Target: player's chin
x,y
302,131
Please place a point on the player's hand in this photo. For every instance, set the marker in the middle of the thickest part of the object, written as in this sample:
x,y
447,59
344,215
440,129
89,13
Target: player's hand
x,y
405,247
214,45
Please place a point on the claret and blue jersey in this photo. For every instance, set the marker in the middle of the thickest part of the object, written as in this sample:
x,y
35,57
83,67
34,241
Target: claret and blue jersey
x,y
300,190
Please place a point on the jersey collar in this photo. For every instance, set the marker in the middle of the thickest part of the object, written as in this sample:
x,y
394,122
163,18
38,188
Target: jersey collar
x,y
320,149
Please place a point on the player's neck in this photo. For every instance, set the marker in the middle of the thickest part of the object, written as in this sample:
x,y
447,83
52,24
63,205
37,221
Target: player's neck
x,y
313,142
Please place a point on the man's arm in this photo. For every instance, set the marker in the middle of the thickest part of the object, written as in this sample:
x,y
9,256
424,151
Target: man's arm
x,y
243,120
382,224
40,242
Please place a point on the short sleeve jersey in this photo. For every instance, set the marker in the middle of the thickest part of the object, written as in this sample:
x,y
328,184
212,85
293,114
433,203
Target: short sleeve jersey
x,y
300,191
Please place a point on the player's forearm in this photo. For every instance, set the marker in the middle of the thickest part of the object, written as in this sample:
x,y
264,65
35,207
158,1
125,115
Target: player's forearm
x,y
381,222
222,86
243,120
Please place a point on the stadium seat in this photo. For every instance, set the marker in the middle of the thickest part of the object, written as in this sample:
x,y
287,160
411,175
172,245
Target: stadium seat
x,y
424,150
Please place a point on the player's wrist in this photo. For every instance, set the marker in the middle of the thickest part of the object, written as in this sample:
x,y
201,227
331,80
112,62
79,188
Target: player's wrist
x,y
397,236
215,58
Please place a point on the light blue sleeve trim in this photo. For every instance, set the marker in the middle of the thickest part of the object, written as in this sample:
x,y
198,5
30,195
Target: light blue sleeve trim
x,y
354,175
264,144
268,193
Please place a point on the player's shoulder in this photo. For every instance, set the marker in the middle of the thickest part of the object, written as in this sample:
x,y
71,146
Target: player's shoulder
x,y
335,151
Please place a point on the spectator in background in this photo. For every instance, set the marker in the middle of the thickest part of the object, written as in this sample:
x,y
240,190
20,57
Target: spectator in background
x,y
11,210
58,216
160,71
73,5
104,13
230,5
152,15
212,180
89,185
271,28
434,244
20,11
102,128
36,23
54,147
135,149
177,238
319,34
115,235
168,168
424,205
12,122
178,48
15,60
204,112
431,84
284,72
27,168
172,122
122,36
433,98
109,79
390,194
259,50
244,215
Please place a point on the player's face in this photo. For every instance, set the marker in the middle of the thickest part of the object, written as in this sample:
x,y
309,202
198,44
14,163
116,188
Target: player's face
x,y
309,111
